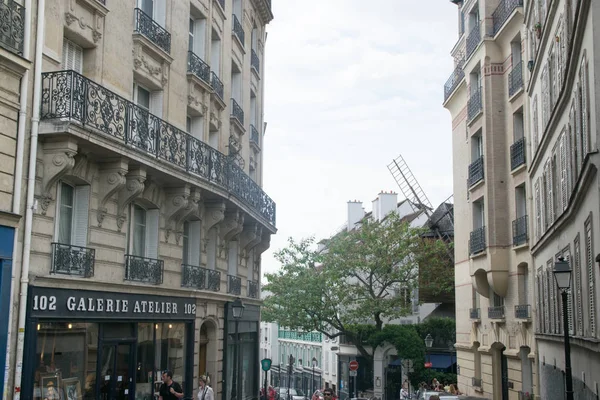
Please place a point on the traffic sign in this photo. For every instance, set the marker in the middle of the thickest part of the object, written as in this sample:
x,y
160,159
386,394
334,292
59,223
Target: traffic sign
x,y
428,365
353,373
353,365
265,364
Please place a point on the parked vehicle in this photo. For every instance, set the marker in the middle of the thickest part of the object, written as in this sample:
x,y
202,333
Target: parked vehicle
x,y
294,394
442,395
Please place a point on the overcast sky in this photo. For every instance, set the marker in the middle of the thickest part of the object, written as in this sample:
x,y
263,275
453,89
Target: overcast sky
x,y
350,85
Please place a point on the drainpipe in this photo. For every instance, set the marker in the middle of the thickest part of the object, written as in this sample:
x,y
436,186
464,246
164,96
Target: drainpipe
x,y
18,178
35,124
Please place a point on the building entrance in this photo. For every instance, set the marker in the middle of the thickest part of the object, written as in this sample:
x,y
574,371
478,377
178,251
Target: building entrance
x,y
116,372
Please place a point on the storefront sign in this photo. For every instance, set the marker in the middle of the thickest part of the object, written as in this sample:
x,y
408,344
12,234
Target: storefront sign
x,y
65,303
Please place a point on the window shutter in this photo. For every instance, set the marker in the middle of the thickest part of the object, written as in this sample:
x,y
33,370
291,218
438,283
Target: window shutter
x,y
584,108
160,12
589,255
550,176
546,302
569,160
152,228
544,97
197,128
563,172
156,103
538,210
72,56
535,126
540,301
552,301
211,249
570,296
199,38
577,286
194,243
578,134
81,215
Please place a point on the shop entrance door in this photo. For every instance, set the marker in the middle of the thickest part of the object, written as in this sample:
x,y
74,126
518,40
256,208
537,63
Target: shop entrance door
x,y
115,378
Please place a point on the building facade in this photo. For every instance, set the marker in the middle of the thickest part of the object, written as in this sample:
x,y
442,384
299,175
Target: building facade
x,y
144,216
493,269
563,52
306,350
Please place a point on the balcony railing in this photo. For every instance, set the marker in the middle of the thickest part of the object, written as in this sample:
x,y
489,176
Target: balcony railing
x,y
237,112
517,154
519,227
255,61
238,30
72,260
158,35
457,76
214,280
193,276
474,105
523,311
253,289
503,11
234,284
254,135
12,26
476,382
473,40
496,312
222,4
198,67
477,241
475,313
476,172
515,78
101,1
143,269
216,85
69,95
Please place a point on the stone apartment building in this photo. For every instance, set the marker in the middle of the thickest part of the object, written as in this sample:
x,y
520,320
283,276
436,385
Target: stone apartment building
x,y
143,217
493,269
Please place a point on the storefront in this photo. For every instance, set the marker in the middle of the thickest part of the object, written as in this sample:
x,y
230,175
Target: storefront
x,y
82,344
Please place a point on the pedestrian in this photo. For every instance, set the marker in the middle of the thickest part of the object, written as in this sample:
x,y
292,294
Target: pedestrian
x,y
205,392
169,390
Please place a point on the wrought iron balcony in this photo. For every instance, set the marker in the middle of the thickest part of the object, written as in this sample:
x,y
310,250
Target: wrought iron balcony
x,y
234,284
515,78
238,29
193,276
477,382
101,1
214,280
254,136
237,112
69,95
12,26
158,35
72,260
253,289
457,76
517,154
496,312
523,311
222,4
519,227
477,241
473,40
476,172
216,85
475,313
255,61
142,269
474,104
198,67
503,11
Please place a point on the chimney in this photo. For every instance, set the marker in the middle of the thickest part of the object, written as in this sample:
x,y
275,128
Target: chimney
x,y
387,202
355,213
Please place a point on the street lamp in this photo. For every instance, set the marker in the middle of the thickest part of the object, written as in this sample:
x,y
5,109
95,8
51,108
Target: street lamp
x,y
314,364
237,309
562,275
428,344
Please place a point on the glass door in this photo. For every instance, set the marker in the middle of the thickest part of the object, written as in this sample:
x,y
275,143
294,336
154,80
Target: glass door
x,y
116,375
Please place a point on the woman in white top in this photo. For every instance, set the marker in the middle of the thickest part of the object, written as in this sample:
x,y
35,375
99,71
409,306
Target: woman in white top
x,y
205,392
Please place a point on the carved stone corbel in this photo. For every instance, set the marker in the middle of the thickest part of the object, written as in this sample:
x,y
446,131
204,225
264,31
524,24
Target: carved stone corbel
x,y
58,160
214,213
193,209
134,187
250,237
111,178
152,193
176,200
231,226
83,168
263,245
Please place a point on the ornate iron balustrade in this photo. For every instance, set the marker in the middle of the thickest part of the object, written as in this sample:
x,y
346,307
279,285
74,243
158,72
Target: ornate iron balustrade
x,y
255,61
457,76
253,289
158,35
222,4
474,104
216,85
517,154
234,284
101,1
496,312
473,40
523,311
142,269
12,26
254,135
515,78
69,95
476,382
72,260
214,280
198,67
519,228
237,112
475,313
503,11
477,241
476,173
238,30
193,276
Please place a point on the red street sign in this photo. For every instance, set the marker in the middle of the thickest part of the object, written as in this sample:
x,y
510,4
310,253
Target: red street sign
x,y
428,365
353,365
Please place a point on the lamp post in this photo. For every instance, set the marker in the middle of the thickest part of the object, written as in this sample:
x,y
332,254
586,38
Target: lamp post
x,y
428,344
237,309
312,382
562,275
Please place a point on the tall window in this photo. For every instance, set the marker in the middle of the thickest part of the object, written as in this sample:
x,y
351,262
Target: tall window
x,y
143,241
236,83
478,214
195,126
577,285
232,259
73,213
151,101
155,9
197,35
191,243
589,260
72,57
215,52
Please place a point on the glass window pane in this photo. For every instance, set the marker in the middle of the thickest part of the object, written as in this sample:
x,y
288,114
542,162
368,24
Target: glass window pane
x,y
66,214
186,244
139,231
145,374
170,350
143,98
148,7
